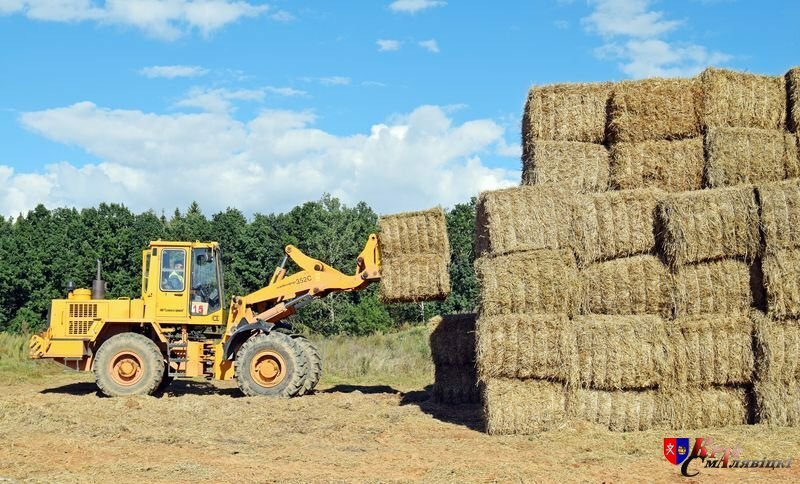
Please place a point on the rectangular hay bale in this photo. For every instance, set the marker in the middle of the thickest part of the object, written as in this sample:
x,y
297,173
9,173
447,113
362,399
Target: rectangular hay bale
x,y
620,411
742,100
781,270
534,282
641,284
708,224
581,166
696,408
672,166
654,109
746,155
725,286
452,341
793,89
415,255
566,112
777,404
777,346
780,214
523,218
615,224
513,406
454,384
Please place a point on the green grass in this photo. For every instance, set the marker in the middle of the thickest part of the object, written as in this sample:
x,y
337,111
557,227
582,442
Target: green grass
x,y
15,366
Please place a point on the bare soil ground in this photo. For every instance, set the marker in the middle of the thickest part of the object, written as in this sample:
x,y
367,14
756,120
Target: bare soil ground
x,y
57,429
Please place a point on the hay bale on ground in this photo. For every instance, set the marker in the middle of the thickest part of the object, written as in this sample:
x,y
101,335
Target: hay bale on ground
x,y
526,346
777,346
456,384
640,284
621,352
619,411
615,224
741,100
793,89
696,408
673,166
777,404
581,166
522,406
524,218
566,112
654,109
746,155
708,224
723,286
711,349
781,270
415,255
780,214
535,282
453,340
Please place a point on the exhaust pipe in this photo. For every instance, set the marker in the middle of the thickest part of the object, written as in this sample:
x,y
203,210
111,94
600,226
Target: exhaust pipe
x,y
99,285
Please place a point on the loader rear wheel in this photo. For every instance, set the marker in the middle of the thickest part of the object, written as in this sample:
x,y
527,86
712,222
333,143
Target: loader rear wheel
x,y
313,364
128,364
270,365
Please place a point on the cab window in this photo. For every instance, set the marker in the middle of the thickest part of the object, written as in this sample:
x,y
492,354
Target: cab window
x,y
205,296
173,274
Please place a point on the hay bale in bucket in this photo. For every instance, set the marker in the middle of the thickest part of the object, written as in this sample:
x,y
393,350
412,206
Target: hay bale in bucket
x,y
513,406
452,341
742,100
454,384
777,404
535,282
777,346
673,166
723,286
524,218
566,112
526,346
654,109
620,411
793,89
781,270
640,284
710,349
581,166
621,352
708,224
696,408
615,224
746,155
415,255
780,214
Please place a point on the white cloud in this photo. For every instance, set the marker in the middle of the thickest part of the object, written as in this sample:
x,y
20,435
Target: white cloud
x,y
413,6
165,19
334,81
269,163
286,91
627,17
219,100
171,72
388,45
430,45
282,16
657,58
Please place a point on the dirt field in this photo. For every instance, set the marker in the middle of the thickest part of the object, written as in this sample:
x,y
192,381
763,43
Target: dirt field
x,y
56,429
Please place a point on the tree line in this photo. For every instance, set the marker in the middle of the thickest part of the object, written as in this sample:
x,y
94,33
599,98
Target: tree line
x,y
44,249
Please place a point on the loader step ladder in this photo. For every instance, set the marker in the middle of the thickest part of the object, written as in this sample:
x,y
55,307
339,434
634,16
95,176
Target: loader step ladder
x,y
172,347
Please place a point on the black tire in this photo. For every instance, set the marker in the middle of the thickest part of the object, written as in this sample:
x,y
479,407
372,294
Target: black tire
x,y
313,364
135,350
270,346
166,381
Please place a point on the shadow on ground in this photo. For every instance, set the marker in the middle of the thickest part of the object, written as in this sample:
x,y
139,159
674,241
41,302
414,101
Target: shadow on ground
x,y
176,389
467,414
366,389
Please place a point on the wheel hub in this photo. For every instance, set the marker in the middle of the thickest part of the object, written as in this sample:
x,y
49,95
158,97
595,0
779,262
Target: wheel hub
x,y
268,368
126,368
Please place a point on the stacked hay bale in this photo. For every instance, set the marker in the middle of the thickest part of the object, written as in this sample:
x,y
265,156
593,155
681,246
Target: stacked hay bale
x,y
452,342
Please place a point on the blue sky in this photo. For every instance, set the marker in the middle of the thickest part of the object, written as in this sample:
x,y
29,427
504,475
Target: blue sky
x,y
262,105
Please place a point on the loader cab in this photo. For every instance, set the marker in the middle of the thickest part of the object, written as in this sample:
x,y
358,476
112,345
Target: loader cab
x,y
182,282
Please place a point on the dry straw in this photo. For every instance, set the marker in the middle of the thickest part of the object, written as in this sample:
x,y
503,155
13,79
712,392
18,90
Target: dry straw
x,y
415,255
541,281
777,404
741,100
582,167
782,282
640,284
524,218
746,155
522,406
673,166
708,224
777,346
621,352
723,286
615,224
780,214
526,346
455,384
711,349
696,408
793,89
619,411
566,112
453,340
654,109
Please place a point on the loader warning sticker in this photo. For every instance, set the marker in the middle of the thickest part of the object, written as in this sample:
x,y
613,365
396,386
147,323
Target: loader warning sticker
x,y
199,307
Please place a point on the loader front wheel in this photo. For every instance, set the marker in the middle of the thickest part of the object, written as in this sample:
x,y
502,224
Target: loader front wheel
x,y
270,365
128,364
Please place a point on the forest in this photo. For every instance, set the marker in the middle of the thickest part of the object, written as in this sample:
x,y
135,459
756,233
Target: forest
x,y
43,250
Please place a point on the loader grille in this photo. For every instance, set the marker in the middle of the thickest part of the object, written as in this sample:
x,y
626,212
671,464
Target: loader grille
x,y
81,317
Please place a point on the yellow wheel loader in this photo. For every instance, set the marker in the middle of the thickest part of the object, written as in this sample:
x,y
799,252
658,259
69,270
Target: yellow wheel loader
x,y
180,329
